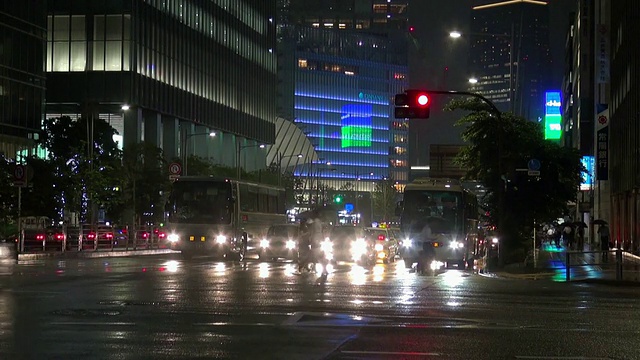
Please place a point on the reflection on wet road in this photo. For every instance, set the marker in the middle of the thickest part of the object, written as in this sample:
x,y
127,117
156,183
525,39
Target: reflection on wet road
x,y
168,308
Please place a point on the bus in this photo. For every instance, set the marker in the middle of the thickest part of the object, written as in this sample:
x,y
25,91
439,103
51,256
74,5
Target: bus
x,y
442,215
221,217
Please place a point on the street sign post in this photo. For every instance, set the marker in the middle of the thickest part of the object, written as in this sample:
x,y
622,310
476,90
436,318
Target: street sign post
x,y
534,167
175,169
20,176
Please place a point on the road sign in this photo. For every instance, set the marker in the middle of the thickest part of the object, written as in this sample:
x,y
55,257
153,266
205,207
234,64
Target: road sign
x,y
175,168
534,165
349,207
173,177
534,172
20,175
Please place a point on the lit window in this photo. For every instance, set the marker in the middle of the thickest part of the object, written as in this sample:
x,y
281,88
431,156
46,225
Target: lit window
x,y
302,63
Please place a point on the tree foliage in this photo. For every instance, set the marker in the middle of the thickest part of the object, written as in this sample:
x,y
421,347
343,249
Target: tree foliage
x,y
385,197
498,150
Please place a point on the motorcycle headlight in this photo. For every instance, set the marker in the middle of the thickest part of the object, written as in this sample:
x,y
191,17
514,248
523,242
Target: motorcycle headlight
x,y
379,247
221,239
291,244
173,238
264,243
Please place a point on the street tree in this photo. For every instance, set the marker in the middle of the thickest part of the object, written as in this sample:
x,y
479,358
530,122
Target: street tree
x,y
498,150
385,197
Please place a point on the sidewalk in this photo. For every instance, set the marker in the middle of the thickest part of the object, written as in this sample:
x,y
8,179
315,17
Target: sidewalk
x,y
93,254
586,266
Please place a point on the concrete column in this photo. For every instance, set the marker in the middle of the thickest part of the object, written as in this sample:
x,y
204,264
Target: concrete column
x,y
152,128
170,138
186,129
132,126
201,142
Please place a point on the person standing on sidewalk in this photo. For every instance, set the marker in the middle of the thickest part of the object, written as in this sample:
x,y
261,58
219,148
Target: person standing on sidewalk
x,y
603,233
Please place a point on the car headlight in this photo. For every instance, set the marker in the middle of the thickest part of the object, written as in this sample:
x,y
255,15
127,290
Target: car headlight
x,y
379,247
291,244
173,238
495,240
264,243
358,248
326,246
221,239
407,243
460,244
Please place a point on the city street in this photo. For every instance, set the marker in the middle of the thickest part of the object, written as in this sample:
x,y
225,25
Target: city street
x,y
162,307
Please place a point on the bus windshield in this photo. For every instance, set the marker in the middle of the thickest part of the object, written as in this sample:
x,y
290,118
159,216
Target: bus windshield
x,y
439,211
200,202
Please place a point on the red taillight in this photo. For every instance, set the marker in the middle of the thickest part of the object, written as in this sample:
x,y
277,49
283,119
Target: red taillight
x,y
156,231
162,235
145,235
40,237
59,237
124,231
109,236
91,236
381,237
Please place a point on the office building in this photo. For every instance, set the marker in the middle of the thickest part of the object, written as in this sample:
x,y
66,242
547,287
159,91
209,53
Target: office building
x,y
509,55
22,84
164,71
341,63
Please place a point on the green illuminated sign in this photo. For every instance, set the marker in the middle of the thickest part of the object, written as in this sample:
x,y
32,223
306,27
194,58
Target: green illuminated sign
x,y
552,116
356,136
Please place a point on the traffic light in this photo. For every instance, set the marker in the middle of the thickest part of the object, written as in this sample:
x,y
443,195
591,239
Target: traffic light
x,y
337,199
412,104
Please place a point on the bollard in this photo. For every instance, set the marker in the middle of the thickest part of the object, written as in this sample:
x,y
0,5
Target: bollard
x,y
619,264
568,265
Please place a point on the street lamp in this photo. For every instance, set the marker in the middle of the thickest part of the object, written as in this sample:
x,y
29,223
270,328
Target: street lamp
x,y
238,149
282,157
457,34
186,147
473,81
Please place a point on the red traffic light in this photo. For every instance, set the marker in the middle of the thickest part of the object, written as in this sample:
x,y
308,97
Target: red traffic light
x,y
422,99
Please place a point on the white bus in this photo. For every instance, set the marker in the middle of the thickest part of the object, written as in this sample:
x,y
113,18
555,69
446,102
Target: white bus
x,y
217,216
438,216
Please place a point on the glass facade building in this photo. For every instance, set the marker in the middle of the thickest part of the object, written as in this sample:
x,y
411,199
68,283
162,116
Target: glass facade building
x,y
344,62
182,67
22,76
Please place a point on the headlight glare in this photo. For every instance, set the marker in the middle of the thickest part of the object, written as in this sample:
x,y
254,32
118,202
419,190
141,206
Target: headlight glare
x,y
291,244
264,243
221,239
173,237
379,247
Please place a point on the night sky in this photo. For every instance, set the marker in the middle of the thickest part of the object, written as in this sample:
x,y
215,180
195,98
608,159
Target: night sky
x,y
435,51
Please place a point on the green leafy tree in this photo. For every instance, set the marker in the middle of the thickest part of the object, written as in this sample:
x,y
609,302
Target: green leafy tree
x,y
385,196
8,199
39,197
82,169
496,148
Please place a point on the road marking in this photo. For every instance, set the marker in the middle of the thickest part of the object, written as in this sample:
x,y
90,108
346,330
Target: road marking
x,y
233,324
561,358
73,323
405,353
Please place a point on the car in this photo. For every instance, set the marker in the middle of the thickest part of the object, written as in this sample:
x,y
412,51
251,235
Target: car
x,y
281,241
386,243
350,244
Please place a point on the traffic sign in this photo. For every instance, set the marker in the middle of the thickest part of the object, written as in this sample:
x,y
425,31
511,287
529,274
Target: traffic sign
x,y
533,172
20,175
174,177
175,168
534,165
349,207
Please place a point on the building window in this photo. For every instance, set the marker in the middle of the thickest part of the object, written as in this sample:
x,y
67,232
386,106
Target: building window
x,y
112,35
302,63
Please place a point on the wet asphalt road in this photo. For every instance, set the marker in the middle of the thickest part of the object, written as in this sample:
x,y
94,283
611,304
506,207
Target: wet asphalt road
x,y
166,308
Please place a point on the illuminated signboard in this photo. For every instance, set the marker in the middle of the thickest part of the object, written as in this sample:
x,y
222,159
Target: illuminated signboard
x,y
589,163
356,128
552,116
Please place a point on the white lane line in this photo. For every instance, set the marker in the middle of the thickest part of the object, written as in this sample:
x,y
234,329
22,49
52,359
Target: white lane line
x,y
233,324
561,358
73,323
402,353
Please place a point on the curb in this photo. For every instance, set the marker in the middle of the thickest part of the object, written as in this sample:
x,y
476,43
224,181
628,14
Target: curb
x,y
97,254
503,275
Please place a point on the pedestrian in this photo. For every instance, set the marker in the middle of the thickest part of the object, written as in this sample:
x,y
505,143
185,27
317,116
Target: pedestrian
x,y
568,235
603,233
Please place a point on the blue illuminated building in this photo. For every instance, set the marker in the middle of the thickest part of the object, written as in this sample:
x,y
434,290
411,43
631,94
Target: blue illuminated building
x,y
339,77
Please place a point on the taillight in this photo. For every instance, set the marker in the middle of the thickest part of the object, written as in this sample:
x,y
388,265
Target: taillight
x,y
145,235
380,237
109,236
91,236
40,237
436,244
162,235
59,237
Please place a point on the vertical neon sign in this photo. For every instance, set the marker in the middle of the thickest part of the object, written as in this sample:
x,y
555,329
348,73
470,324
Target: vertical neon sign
x,y
552,116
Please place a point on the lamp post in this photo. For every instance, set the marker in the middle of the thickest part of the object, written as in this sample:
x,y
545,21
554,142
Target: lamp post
x,y
186,148
510,36
280,158
239,148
